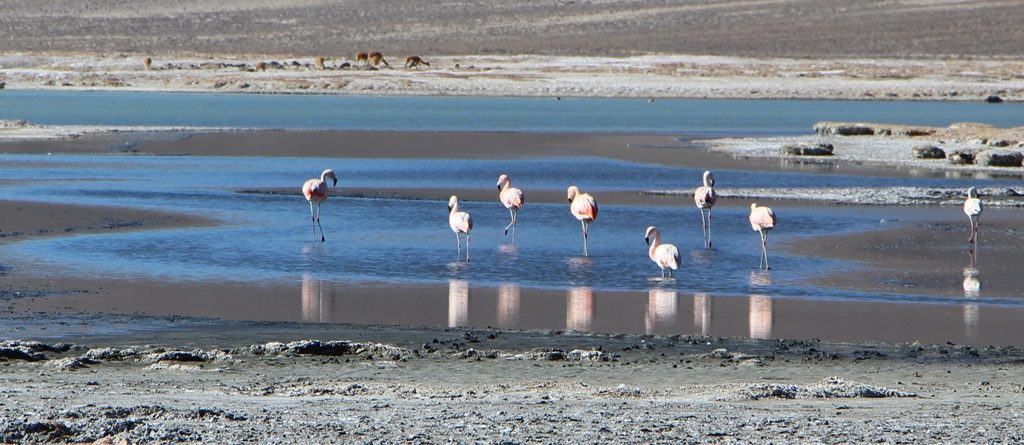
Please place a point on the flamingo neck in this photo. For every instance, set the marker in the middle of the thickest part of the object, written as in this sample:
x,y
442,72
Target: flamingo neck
x,y
655,242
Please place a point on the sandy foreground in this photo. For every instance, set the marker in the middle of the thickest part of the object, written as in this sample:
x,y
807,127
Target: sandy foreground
x,y
260,382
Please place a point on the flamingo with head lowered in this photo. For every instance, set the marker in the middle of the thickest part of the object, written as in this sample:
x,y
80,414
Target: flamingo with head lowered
x,y
315,191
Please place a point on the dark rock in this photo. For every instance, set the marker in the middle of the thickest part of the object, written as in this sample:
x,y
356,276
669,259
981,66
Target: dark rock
x,y
928,152
803,149
999,158
999,143
843,129
961,157
994,99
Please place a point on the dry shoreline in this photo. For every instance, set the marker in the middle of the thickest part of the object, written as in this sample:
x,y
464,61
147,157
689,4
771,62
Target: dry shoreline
x,y
490,384
649,76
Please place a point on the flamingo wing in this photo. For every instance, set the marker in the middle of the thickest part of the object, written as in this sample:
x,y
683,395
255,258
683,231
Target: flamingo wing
x,y
705,197
667,255
460,222
584,208
314,190
972,206
512,198
762,218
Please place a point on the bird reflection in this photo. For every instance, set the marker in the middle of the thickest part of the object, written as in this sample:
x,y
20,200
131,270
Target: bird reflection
x,y
761,278
661,310
508,306
972,290
760,316
316,307
458,303
702,314
579,309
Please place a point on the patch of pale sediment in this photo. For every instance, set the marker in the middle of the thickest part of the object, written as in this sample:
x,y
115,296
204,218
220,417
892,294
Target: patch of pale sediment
x,y
21,130
994,196
828,388
878,151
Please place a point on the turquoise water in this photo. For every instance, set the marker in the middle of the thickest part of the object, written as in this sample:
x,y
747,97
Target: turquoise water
x,y
675,116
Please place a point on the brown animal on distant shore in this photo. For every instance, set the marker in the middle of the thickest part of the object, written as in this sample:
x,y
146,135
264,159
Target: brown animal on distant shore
x,y
377,58
148,63
260,66
363,58
318,63
415,62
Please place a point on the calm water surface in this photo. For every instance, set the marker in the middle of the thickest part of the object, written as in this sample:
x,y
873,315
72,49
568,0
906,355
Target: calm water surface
x,y
268,239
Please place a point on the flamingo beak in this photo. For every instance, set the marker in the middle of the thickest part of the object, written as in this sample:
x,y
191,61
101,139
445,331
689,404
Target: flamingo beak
x,y
499,187
335,183
647,241
449,209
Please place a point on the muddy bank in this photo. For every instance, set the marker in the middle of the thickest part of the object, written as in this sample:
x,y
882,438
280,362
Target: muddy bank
x,y
24,220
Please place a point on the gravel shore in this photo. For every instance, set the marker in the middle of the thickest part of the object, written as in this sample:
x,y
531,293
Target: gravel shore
x,y
496,386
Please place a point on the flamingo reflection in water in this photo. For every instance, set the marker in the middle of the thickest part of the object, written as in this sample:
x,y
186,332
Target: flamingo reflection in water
x,y
972,290
579,309
702,314
508,306
316,307
458,303
661,311
760,316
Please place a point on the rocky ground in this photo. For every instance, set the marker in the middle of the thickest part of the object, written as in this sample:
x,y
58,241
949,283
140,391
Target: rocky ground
x,y
333,28
496,386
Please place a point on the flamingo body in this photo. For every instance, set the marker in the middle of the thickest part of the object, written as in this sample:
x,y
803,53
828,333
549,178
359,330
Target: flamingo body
x,y
666,256
315,191
704,197
460,223
762,221
973,208
584,208
513,200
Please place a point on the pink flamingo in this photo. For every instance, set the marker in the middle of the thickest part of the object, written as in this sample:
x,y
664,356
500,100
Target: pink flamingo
x,y
315,191
513,200
762,220
584,208
666,256
972,207
705,198
460,222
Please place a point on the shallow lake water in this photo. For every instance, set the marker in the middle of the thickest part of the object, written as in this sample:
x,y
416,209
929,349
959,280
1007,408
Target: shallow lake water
x,y
541,281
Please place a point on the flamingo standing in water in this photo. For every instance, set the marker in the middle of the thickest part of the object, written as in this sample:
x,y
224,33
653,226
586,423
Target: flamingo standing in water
x,y
762,220
584,208
513,200
705,198
315,191
666,256
972,207
460,222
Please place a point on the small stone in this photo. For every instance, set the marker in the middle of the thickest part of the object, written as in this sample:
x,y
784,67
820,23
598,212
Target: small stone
x,y
961,157
994,99
928,152
804,149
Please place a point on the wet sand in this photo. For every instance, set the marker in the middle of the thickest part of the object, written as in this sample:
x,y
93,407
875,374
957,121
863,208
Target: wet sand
x,y
25,219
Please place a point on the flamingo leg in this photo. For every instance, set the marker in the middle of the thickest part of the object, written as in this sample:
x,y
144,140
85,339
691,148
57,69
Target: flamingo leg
x,y
312,219
585,252
458,246
512,223
703,228
764,249
709,229
467,247
322,239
